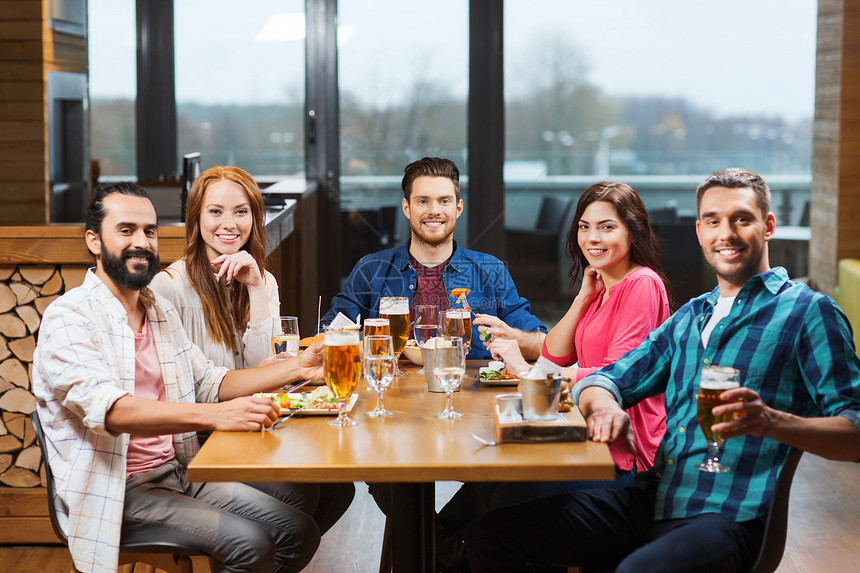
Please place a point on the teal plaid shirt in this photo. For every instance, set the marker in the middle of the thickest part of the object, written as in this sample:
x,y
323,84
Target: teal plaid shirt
x,y
792,345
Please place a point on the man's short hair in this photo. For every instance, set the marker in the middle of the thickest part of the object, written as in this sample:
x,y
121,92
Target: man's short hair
x,y
96,209
737,178
430,167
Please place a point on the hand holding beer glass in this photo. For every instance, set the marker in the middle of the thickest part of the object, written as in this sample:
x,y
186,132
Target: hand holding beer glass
x,y
713,382
449,366
396,310
342,370
285,337
379,367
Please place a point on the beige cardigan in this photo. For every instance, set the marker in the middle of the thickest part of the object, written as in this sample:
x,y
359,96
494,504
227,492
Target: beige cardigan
x,y
256,342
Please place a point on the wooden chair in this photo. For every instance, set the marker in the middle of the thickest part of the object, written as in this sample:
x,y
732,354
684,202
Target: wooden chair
x,y
534,255
165,555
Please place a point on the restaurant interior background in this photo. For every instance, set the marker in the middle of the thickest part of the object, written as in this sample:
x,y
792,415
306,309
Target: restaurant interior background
x,y
655,94
325,101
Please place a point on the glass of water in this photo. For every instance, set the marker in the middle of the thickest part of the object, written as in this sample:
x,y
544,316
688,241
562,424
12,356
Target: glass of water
x,y
449,366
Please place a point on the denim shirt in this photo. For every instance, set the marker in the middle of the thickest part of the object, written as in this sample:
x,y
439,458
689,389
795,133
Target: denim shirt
x,y
389,273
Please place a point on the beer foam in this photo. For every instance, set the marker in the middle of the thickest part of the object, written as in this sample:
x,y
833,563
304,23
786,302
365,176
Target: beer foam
x,y
341,338
718,384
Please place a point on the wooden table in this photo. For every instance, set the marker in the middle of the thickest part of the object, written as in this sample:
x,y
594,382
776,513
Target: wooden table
x,y
411,449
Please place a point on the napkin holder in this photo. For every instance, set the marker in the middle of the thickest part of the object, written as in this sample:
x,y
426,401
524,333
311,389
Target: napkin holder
x,y
568,427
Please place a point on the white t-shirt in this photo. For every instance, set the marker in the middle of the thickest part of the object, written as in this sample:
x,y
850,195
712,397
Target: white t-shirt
x,y
721,310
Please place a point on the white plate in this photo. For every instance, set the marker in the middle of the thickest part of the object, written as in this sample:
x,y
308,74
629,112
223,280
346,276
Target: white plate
x,y
312,411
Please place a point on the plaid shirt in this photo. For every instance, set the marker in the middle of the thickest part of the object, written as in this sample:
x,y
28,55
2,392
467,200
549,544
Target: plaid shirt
x,y
84,362
792,345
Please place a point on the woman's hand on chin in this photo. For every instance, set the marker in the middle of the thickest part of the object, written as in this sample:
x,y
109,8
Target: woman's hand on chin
x,y
239,266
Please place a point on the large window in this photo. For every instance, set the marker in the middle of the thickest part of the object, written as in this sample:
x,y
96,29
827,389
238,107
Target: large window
x,y
403,83
240,77
112,86
658,94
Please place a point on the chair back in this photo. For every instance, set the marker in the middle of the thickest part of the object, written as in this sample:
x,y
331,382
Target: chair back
x,y
553,210
773,544
49,476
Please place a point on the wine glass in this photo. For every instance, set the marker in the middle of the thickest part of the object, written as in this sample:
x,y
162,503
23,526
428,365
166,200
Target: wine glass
x,y
379,367
714,381
396,310
449,366
342,370
285,337
426,324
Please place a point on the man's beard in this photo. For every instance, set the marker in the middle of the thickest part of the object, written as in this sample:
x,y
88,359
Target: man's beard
x,y
419,235
117,270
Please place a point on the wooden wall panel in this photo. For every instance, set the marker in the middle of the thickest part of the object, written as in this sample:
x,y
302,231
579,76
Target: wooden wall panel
x,y
21,9
23,142
835,196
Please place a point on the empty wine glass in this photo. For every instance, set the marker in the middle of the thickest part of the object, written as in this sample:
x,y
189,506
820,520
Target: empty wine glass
x,y
379,367
449,366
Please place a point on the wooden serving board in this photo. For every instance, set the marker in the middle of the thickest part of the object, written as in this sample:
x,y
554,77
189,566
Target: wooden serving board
x,y
569,427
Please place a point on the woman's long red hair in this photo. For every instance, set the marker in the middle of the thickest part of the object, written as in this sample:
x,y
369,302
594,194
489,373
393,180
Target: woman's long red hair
x,y
222,326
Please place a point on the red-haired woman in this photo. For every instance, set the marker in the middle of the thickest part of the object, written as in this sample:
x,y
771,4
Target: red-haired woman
x,y
229,302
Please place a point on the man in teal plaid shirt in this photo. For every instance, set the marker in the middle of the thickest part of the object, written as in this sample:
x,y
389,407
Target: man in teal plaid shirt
x,y
800,387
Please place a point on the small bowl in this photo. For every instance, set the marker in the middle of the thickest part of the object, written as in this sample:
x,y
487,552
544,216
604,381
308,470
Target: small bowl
x,y
413,353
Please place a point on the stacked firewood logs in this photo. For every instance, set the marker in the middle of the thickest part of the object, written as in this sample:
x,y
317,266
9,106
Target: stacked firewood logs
x,y
25,292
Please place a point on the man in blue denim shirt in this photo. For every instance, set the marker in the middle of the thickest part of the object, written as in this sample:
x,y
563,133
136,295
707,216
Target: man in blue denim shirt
x,y
800,388
431,265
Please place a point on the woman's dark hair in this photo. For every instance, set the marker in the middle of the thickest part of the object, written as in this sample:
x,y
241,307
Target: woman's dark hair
x,y
644,245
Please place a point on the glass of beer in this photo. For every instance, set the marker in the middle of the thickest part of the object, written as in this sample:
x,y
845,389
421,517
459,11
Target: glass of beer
x,y
714,381
379,367
396,310
377,327
449,366
285,337
426,324
342,370
458,322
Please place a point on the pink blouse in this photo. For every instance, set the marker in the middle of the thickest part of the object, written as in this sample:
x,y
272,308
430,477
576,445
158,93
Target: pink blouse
x,y
635,307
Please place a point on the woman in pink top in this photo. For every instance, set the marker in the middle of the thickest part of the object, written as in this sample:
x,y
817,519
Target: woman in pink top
x,y
623,296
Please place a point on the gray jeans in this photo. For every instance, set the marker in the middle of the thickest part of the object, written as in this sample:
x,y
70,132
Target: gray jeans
x,y
244,529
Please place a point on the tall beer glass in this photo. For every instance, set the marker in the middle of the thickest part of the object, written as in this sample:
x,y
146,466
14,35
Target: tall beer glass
x,y
377,327
342,370
458,322
426,324
714,381
396,310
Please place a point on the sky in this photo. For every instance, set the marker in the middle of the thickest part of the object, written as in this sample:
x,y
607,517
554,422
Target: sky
x,y
731,56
